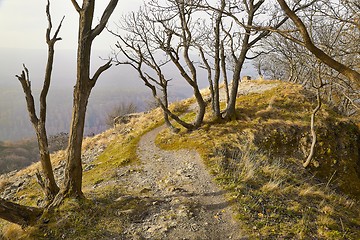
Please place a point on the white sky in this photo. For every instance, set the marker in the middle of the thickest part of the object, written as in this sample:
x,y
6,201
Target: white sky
x,y
23,23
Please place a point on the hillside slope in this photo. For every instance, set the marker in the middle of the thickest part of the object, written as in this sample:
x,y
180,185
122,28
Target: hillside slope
x,y
257,159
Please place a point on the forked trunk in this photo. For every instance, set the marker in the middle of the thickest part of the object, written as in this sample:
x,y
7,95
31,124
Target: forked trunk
x,y
84,84
202,107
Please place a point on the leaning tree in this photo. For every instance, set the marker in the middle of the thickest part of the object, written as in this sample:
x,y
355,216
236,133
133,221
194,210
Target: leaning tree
x,y
308,42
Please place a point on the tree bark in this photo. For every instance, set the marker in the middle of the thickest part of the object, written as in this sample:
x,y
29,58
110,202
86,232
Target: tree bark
x,y
223,69
217,69
73,168
230,112
351,74
18,214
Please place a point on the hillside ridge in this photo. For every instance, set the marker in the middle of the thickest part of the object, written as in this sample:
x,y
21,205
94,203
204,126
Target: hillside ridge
x,y
139,191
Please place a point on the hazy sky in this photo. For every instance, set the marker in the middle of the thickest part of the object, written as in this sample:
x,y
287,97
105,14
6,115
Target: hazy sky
x,y
23,26
23,23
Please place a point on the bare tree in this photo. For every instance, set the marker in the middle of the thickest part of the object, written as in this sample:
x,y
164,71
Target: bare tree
x,y
318,87
120,110
84,84
243,29
155,31
13,212
140,49
214,41
48,184
335,32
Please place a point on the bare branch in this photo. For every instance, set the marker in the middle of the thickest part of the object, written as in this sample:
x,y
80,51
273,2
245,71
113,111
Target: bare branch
x,y
48,30
100,70
76,5
50,61
104,18
18,214
26,86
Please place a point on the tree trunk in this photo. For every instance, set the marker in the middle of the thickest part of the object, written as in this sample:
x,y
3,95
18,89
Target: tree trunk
x,y
230,112
166,105
223,69
82,89
73,167
18,214
217,69
50,187
209,78
202,107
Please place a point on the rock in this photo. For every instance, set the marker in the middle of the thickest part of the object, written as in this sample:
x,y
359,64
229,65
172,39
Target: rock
x,y
126,118
89,167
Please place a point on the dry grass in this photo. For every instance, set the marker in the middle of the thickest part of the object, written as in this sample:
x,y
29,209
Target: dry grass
x,y
312,191
3,184
13,232
271,186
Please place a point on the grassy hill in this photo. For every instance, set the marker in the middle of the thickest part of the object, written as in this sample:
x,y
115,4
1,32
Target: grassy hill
x,y
256,158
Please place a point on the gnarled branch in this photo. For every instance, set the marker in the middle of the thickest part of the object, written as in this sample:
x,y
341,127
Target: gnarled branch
x,y
100,70
76,5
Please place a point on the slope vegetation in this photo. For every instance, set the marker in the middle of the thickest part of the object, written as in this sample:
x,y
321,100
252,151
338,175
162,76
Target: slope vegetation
x,y
257,159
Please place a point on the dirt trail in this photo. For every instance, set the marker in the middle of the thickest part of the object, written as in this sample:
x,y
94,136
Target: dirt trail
x,y
185,202
182,201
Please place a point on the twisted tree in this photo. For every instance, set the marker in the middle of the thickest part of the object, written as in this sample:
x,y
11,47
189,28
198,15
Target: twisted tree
x,y
170,31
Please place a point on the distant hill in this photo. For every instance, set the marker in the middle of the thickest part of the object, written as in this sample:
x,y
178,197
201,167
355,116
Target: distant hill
x,y
15,124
